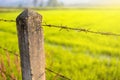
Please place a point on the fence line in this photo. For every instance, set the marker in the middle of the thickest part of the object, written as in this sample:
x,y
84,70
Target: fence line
x,y
58,74
71,28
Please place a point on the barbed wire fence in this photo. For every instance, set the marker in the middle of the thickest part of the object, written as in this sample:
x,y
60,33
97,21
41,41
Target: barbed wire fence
x,y
16,54
59,27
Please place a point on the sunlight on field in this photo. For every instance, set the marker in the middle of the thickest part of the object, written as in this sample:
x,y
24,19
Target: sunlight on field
x,y
77,55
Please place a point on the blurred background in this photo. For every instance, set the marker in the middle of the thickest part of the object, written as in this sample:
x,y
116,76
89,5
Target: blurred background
x,y
58,3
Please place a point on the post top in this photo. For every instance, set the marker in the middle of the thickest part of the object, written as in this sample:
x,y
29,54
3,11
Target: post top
x,y
28,13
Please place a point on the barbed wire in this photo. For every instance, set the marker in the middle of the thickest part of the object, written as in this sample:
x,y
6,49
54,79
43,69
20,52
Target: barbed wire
x,y
4,20
60,75
81,30
71,28
14,53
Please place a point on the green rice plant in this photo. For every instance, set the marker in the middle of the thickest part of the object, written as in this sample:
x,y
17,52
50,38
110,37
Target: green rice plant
x,y
77,55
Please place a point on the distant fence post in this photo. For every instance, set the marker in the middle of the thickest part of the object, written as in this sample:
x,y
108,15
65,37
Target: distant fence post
x,y
31,45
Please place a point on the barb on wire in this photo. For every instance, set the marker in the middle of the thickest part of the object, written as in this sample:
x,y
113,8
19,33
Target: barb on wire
x,y
70,28
82,30
9,51
62,76
4,20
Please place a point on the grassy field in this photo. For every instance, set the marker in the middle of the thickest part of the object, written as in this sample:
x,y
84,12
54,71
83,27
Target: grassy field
x,y
77,55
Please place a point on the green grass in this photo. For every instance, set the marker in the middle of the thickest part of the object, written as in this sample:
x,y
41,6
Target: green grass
x,y
77,55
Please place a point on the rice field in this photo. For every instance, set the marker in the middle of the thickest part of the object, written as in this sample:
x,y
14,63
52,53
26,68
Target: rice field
x,y
77,55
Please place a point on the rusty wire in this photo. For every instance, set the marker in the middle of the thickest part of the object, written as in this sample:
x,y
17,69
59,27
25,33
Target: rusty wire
x,y
4,20
71,28
82,30
58,74
15,53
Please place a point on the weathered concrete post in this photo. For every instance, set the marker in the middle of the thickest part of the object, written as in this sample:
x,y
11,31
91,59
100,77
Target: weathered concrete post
x,y
31,45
